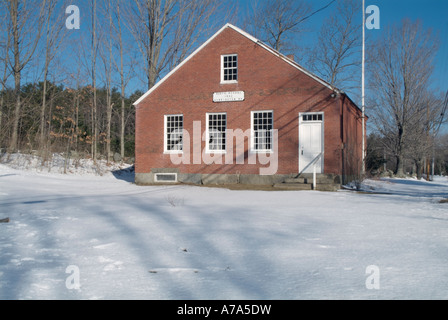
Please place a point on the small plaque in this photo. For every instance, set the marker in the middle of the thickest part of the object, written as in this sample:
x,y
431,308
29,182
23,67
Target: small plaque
x,y
228,96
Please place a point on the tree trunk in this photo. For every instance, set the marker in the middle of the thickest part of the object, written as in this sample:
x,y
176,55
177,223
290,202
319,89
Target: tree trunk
x,y
16,71
94,104
77,113
122,128
2,93
42,111
399,172
120,40
2,100
1,117
22,51
108,133
109,89
44,93
419,168
13,147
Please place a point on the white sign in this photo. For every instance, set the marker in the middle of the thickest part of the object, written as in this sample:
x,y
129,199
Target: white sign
x,y
228,96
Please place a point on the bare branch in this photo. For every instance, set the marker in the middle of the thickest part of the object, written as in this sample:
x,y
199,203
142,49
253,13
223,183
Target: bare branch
x,y
404,110
277,20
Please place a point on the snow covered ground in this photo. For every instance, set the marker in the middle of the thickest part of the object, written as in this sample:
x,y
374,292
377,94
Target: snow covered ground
x,y
122,241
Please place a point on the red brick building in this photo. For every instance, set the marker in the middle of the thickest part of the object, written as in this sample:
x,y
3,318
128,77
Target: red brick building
x,y
237,111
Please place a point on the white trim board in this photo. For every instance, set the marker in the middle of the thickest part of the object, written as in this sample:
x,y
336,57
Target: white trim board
x,y
250,37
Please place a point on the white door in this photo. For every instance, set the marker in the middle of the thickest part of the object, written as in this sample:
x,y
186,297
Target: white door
x,y
310,141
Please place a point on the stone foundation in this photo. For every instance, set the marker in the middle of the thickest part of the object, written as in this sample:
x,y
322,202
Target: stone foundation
x,y
210,179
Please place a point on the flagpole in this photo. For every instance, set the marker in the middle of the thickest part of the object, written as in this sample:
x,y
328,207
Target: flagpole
x,y
363,170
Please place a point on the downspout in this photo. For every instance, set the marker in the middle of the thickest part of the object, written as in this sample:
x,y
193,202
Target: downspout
x,y
342,130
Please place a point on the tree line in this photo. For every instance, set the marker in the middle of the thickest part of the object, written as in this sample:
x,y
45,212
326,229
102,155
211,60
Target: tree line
x,y
65,90
407,112
68,90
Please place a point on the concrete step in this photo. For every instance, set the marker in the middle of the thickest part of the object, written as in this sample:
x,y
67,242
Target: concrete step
x,y
293,186
321,178
324,182
297,180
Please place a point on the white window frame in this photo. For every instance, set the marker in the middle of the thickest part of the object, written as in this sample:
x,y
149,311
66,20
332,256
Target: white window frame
x,y
165,135
311,114
207,121
252,133
222,69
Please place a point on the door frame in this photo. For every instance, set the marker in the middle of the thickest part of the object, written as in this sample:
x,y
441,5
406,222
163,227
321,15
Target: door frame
x,y
322,122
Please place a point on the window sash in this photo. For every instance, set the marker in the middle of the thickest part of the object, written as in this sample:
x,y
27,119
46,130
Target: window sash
x,y
262,131
216,132
174,125
312,117
229,68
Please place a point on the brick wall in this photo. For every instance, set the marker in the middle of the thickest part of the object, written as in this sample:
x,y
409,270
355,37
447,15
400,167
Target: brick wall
x,y
269,83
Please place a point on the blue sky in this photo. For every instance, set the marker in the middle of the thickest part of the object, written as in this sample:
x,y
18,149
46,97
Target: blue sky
x,y
432,13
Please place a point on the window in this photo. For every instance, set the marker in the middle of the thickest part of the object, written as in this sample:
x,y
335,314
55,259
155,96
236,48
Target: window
x,y
166,177
312,117
229,68
216,132
262,131
174,133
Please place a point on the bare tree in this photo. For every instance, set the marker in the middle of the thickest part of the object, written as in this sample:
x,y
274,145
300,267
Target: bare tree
x,y
26,22
121,69
122,81
336,54
401,66
422,133
54,36
107,59
6,71
276,21
93,71
165,30
441,155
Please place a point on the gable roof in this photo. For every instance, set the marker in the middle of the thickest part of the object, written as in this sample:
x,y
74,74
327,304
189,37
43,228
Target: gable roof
x,y
256,41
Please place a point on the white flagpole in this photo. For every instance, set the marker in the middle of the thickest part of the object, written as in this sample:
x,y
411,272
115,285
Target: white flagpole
x,y
363,170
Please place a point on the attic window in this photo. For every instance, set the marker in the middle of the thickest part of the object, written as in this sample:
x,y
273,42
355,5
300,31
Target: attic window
x,y
229,68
